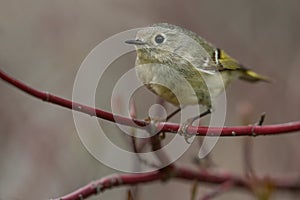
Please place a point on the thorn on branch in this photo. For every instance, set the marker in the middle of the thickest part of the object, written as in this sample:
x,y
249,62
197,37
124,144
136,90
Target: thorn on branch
x,y
259,123
262,119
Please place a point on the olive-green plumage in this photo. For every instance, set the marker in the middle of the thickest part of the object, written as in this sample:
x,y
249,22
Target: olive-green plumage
x,y
183,68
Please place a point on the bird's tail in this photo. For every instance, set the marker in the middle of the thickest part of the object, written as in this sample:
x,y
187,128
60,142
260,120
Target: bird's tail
x,y
251,76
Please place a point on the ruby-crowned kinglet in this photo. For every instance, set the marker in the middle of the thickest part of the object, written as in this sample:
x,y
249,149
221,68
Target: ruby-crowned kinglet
x,y
183,68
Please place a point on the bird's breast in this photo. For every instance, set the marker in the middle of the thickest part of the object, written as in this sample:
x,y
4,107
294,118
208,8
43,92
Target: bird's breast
x,y
179,85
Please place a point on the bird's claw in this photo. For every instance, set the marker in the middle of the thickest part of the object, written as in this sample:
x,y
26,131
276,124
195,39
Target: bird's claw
x,y
183,130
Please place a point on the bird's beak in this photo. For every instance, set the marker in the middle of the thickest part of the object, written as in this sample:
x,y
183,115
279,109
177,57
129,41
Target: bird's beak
x,y
135,42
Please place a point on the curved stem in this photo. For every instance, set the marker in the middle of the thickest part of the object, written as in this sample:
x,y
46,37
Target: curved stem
x,y
164,126
181,173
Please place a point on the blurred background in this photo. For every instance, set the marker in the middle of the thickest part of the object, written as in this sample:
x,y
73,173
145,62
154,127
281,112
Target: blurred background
x,y
44,42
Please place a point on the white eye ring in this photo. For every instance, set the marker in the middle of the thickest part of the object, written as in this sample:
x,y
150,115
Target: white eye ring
x,y
159,38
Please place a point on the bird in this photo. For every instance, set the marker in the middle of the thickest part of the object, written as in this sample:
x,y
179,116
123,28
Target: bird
x,y
183,68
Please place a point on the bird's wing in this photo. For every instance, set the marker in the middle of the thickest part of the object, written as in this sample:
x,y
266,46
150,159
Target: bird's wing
x,y
215,60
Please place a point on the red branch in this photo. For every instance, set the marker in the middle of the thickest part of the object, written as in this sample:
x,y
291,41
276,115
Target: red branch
x,y
180,173
165,127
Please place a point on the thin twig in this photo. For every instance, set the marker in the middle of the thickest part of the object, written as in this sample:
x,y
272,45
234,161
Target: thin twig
x,y
248,157
248,149
219,190
181,173
132,111
129,195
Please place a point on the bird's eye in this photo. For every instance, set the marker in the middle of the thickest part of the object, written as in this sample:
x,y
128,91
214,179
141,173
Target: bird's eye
x,y
159,39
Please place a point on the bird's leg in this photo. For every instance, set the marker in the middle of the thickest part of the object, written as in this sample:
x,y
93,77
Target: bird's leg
x,y
183,128
173,113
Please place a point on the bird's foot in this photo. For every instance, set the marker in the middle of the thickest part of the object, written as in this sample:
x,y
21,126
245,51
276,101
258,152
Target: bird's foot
x,y
183,130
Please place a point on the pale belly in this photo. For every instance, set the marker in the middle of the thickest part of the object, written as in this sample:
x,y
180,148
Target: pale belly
x,y
180,88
